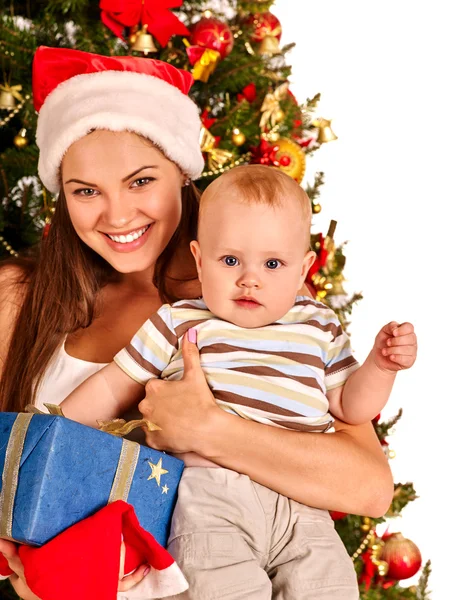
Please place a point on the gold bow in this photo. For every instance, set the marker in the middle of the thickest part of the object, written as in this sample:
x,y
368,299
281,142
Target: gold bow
x,y
206,65
118,427
12,89
217,157
271,106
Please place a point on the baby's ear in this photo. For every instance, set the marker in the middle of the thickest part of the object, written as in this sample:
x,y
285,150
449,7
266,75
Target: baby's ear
x,y
308,262
195,249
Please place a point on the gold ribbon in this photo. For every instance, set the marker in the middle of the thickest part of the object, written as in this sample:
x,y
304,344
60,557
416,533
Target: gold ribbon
x,y
10,476
217,157
271,105
126,467
12,89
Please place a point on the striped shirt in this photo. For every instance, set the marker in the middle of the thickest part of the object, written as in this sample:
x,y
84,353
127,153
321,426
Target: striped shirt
x,y
277,374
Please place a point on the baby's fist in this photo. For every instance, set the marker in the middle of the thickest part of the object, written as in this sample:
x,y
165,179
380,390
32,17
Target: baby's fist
x,y
396,347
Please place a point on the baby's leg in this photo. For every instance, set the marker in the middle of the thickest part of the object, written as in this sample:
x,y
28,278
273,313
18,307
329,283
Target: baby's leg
x,y
308,560
218,537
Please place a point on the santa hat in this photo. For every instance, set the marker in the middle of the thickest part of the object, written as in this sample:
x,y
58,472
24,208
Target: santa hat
x,y
83,561
75,92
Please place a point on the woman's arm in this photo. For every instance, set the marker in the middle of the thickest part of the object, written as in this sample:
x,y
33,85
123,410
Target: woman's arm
x,y
345,471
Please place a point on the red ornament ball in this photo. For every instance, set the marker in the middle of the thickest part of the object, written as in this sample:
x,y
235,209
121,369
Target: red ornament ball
x,y
402,556
213,34
285,160
264,24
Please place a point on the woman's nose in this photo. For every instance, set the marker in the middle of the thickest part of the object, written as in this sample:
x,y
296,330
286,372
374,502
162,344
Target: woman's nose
x,y
118,212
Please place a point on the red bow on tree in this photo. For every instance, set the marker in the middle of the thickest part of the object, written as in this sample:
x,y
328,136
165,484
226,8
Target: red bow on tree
x,y
117,14
248,93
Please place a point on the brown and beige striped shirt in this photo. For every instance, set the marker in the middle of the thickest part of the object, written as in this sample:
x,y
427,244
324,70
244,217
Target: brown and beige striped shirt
x,y
277,374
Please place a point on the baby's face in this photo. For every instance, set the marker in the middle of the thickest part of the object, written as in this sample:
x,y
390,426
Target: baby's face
x,y
251,260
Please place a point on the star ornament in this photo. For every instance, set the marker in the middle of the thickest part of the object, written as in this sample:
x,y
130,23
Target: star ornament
x,y
157,471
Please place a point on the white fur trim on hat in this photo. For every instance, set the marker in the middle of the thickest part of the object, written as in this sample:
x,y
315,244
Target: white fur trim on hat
x,y
118,101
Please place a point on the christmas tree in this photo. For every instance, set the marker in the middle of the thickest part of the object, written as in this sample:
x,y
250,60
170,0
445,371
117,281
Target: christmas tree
x,y
241,69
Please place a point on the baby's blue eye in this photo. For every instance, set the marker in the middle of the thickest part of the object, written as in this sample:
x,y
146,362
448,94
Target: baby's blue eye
x,y
230,261
273,263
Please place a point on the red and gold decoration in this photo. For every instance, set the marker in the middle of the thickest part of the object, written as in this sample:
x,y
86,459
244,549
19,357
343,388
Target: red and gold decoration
x,y
325,133
154,15
266,32
402,556
325,276
213,34
210,41
291,158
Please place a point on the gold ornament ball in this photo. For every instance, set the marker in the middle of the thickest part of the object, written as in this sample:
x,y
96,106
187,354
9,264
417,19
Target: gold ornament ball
x,y
316,209
296,166
238,138
20,140
279,115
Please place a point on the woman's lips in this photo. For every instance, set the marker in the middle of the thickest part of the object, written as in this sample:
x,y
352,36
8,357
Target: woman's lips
x,y
128,246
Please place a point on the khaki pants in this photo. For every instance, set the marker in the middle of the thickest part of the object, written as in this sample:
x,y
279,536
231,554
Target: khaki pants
x,y
235,539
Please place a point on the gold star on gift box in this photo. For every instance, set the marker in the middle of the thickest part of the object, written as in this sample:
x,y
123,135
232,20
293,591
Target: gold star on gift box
x,y
157,471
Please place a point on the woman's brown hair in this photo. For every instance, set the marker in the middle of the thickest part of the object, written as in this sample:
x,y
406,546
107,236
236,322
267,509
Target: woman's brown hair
x,y
62,288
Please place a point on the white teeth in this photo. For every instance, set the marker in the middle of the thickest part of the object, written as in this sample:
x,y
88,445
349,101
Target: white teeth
x,y
130,237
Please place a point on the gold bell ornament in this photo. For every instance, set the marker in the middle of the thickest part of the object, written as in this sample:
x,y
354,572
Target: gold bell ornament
x,y
144,42
20,140
8,96
269,46
326,134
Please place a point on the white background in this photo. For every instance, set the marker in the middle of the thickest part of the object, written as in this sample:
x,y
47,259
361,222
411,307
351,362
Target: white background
x,y
382,69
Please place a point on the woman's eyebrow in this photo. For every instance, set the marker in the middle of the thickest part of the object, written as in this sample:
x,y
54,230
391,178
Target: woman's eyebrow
x,y
79,181
138,171
124,179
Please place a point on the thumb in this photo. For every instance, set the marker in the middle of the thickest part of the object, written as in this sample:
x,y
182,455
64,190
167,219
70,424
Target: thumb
x,y
191,355
9,551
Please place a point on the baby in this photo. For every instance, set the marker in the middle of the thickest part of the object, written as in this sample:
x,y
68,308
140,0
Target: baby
x,y
268,355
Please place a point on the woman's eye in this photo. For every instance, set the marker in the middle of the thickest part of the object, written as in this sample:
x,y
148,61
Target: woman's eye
x,y
273,263
142,181
230,261
85,192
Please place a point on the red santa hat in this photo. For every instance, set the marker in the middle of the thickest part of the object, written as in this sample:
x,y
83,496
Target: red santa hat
x,y
83,561
75,92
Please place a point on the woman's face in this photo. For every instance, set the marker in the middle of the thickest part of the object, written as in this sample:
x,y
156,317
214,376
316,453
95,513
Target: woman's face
x,y
123,197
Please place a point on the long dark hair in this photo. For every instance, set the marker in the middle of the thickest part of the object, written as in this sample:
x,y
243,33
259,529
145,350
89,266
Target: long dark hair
x,y
62,286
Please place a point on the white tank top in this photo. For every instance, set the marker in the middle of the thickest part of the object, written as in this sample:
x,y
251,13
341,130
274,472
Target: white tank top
x,y
64,373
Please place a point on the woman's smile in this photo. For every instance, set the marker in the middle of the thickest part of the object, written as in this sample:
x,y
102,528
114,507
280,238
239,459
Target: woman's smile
x,y
128,242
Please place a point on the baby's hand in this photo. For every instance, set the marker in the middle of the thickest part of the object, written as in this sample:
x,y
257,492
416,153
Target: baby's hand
x,y
395,347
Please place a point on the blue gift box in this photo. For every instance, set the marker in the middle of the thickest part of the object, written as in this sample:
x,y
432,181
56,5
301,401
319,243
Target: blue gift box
x,y
56,472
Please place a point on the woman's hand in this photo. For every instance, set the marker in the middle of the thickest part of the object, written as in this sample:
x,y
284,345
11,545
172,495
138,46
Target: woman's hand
x,y
129,581
17,579
181,408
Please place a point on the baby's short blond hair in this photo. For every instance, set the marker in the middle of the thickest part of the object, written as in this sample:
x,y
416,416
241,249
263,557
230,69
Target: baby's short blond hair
x,y
259,184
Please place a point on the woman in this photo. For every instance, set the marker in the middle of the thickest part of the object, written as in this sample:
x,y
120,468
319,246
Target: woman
x,y
121,157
